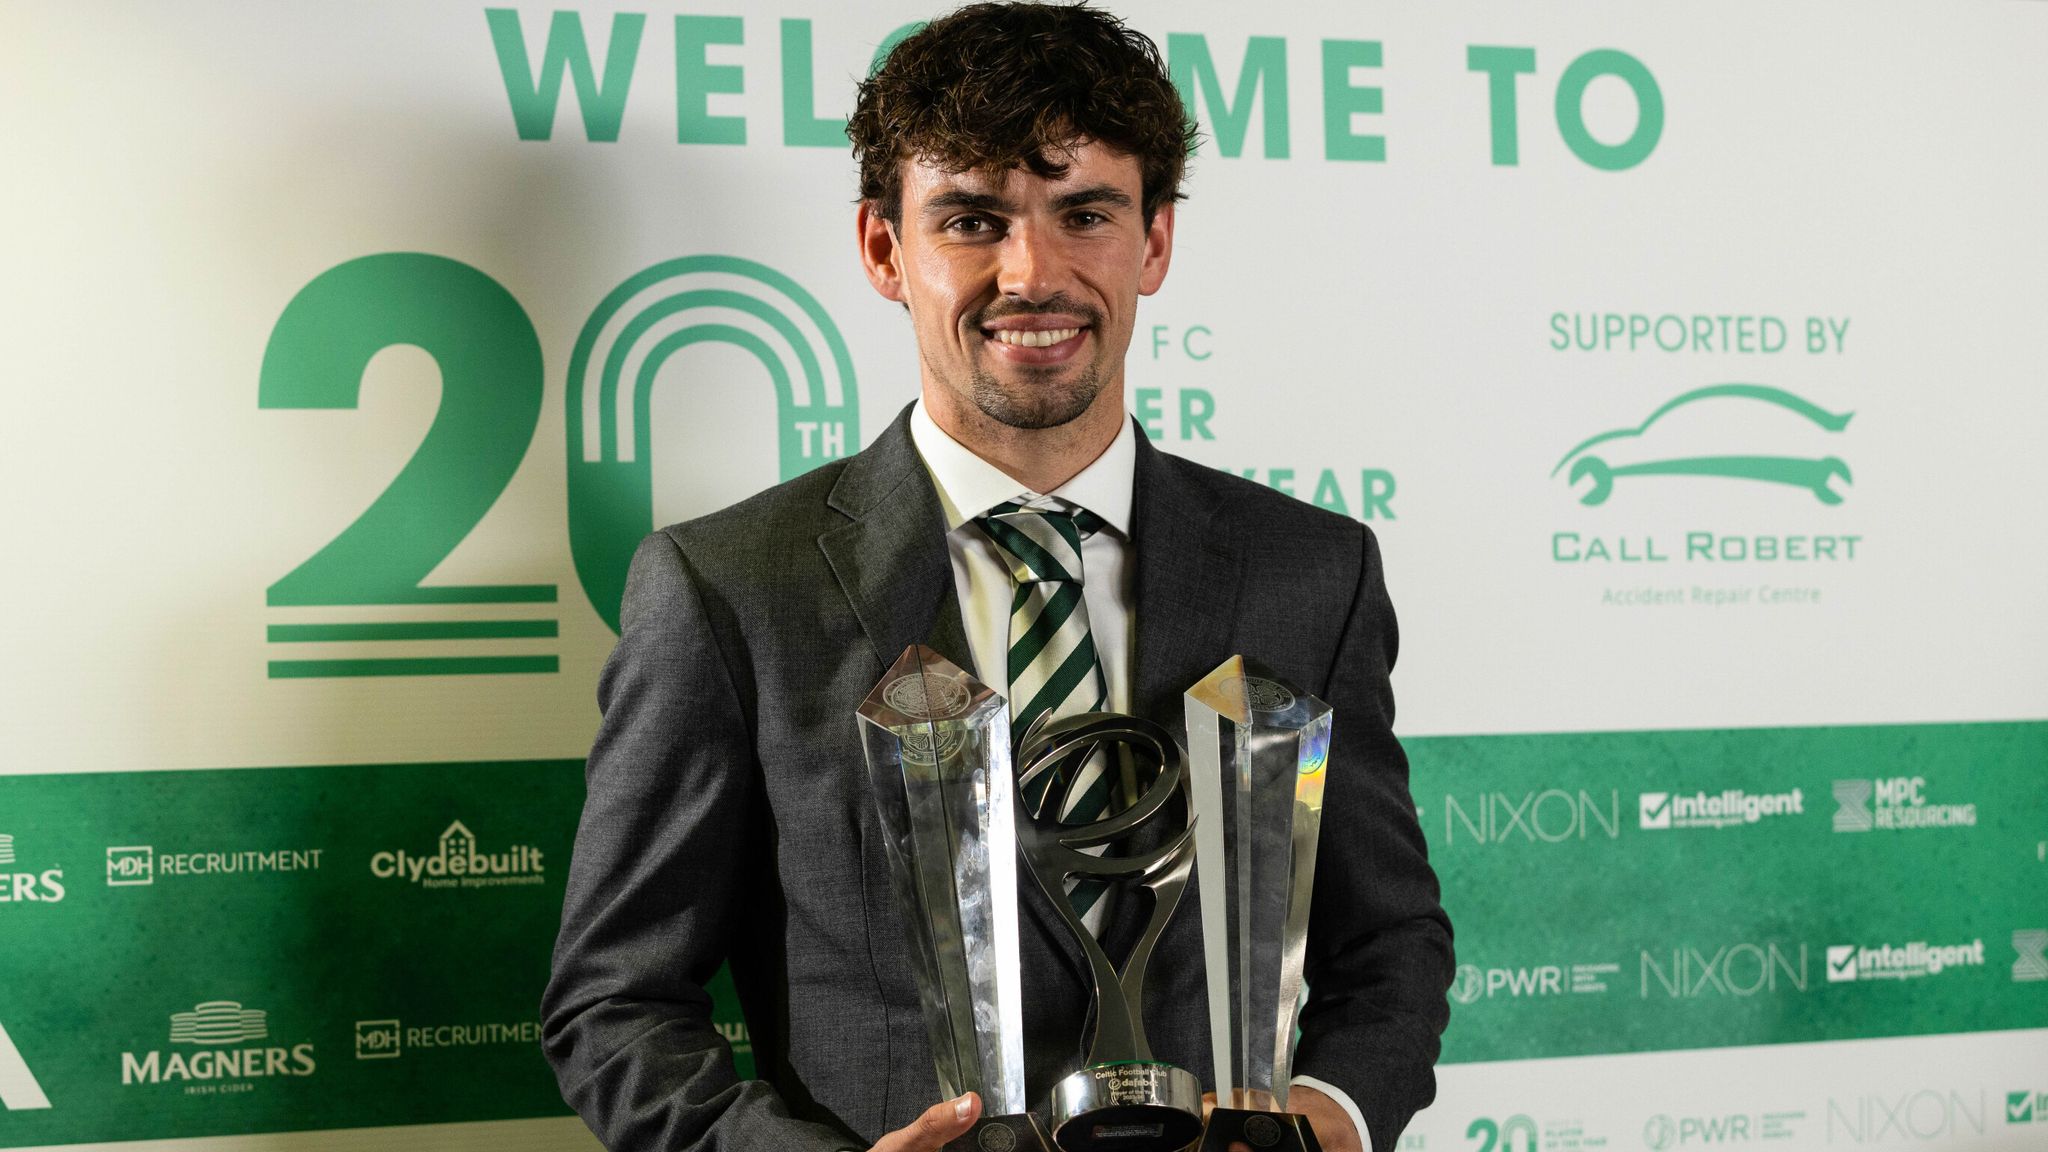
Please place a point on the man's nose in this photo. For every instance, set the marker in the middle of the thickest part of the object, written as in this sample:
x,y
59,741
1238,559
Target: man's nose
x,y
1032,266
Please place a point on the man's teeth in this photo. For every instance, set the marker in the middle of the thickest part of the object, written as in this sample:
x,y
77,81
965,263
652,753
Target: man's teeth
x,y
1043,338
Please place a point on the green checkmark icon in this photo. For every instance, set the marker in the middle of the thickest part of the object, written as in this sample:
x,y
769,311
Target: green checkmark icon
x,y
1657,811
2019,1107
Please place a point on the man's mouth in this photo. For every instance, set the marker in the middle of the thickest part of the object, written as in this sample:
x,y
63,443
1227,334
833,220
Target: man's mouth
x,y
1041,338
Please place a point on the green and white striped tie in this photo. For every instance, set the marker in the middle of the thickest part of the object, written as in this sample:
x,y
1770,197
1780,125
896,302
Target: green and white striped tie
x,y
1054,669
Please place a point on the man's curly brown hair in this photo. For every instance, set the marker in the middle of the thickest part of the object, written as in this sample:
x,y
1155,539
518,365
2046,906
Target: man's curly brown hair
x,y
993,87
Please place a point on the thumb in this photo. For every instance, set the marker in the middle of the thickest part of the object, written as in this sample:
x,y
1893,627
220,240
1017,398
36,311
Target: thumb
x,y
940,1123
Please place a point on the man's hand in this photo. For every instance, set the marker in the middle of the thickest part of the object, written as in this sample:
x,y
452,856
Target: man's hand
x,y
941,1122
1334,1130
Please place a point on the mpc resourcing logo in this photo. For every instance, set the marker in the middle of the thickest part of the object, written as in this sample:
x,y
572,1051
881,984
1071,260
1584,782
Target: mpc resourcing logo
x,y
458,864
1474,983
1913,961
1895,804
30,887
2030,955
136,865
228,1060
1729,808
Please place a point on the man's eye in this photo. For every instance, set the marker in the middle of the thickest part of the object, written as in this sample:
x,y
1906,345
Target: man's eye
x,y
1088,219
972,225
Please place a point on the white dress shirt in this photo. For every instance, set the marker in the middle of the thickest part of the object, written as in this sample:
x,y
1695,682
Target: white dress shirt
x,y
968,486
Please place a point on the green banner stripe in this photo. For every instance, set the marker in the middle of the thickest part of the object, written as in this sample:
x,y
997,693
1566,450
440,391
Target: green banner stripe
x,y
413,666
413,630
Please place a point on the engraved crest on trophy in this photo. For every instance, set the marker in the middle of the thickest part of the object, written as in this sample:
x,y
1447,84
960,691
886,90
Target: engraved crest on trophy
x,y
1259,751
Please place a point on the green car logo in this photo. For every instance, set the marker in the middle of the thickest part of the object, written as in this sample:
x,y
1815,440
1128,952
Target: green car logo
x,y
1810,474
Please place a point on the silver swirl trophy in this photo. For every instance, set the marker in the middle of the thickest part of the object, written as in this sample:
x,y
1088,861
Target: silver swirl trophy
x,y
1122,1100
1259,750
938,755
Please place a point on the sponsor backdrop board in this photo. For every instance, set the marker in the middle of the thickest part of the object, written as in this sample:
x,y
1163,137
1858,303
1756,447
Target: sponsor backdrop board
x,y
1682,359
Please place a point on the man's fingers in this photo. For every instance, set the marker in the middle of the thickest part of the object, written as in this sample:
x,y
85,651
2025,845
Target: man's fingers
x,y
940,1123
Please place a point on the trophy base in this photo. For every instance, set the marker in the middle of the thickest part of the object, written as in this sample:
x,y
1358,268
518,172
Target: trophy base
x,y
1136,1106
1019,1132
1260,1131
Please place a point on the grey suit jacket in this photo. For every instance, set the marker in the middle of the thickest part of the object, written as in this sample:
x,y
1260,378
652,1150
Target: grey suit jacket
x,y
728,814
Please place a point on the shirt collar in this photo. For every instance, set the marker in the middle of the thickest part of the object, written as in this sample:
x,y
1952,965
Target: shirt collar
x,y
969,486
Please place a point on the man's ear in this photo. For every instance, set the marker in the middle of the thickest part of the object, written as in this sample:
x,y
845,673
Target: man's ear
x,y
1158,250
881,257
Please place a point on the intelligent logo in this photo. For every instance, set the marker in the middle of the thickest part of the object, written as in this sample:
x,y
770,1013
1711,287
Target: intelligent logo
x,y
225,1034
1895,804
1914,961
2031,949
1473,983
45,887
458,864
2028,1107
1730,808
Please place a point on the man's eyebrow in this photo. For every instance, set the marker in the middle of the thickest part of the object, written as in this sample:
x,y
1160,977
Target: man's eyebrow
x,y
1108,194
957,198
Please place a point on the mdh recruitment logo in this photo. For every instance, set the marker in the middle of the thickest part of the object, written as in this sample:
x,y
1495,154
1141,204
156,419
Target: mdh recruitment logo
x,y
45,886
1710,433
1665,1131
458,863
391,1039
137,865
1729,808
229,1057
1474,983
1916,960
1895,804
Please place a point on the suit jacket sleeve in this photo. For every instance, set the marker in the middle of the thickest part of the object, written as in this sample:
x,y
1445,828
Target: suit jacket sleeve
x,y
664,854
1379,948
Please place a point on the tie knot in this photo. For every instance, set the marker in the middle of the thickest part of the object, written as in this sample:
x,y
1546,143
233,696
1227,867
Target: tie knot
x,y
1040,543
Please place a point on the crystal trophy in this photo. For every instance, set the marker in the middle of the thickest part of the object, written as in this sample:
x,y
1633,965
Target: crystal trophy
x,y
1122,1099
1258,748
938,753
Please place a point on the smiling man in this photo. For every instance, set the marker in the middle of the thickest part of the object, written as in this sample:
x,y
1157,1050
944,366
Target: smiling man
x,y
1020,166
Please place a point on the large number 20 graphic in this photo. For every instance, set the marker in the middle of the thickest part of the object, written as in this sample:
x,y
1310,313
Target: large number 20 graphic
x,y
491,392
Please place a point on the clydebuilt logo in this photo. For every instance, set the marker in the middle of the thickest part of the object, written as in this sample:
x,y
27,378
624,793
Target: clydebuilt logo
x,y
1895,803
1727,809
2030,963
19,1091
28,887
1474,983
1636,447
458,864
225,1034
1919,959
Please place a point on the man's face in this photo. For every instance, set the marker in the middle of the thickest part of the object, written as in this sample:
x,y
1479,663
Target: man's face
x,y
1022,290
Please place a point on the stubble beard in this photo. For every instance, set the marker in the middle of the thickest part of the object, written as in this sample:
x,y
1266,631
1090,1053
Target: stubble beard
x,y
1035,405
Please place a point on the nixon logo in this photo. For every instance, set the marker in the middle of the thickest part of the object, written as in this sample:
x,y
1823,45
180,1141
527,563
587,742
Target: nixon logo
x,y
1731,970
1550,816
1923,1115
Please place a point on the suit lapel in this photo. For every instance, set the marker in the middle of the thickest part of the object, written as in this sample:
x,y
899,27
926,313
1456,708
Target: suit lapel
x,y
890,560
1184,616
